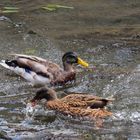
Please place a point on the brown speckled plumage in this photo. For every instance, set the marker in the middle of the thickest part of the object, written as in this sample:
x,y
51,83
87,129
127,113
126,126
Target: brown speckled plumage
x,y
77,111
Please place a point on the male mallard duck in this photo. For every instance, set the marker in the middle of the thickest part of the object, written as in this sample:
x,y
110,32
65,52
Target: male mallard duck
x,y
39,71
74,104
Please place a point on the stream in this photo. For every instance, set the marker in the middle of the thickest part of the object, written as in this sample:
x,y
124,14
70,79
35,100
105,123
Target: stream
x,y
104,33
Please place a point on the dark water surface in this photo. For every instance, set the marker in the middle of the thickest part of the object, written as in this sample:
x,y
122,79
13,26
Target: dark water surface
x,y
106,34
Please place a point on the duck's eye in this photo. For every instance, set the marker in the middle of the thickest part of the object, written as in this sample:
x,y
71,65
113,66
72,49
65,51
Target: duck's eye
x,y
71,60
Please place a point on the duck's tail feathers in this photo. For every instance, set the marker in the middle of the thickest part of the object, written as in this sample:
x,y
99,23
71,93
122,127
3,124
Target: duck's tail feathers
x,y
9,64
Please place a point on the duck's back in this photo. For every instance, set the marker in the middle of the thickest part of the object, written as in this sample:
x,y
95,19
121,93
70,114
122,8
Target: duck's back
x,y
36,63
84,101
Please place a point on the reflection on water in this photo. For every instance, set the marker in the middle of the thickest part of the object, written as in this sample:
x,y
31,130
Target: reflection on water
x,y
101,37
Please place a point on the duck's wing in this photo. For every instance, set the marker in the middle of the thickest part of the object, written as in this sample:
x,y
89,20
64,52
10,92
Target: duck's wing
x,y
21,58
31,63
78,100
82,100
37,64
31,57
80,97
84,97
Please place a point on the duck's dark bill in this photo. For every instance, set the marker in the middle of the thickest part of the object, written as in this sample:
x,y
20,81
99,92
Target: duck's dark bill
x,y
82,62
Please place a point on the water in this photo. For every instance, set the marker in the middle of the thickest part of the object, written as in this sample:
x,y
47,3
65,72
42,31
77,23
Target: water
x,y
106,34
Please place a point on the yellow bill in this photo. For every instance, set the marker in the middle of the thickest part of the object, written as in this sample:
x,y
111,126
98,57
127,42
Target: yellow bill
x,y
82,62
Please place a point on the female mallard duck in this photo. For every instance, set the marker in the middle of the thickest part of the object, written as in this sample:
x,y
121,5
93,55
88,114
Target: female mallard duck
x,y
74,104
39,71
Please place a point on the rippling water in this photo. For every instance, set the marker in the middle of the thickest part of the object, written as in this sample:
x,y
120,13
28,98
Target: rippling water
x,y
106,38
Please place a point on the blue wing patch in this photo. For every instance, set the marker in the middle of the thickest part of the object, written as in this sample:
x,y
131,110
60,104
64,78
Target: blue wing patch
x,y
27,70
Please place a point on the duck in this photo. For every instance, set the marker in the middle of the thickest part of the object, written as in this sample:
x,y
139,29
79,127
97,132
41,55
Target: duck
x,y
39,71
74,104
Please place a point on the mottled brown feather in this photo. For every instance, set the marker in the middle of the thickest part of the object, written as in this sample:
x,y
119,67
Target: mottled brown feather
x,y
82,100
77,111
